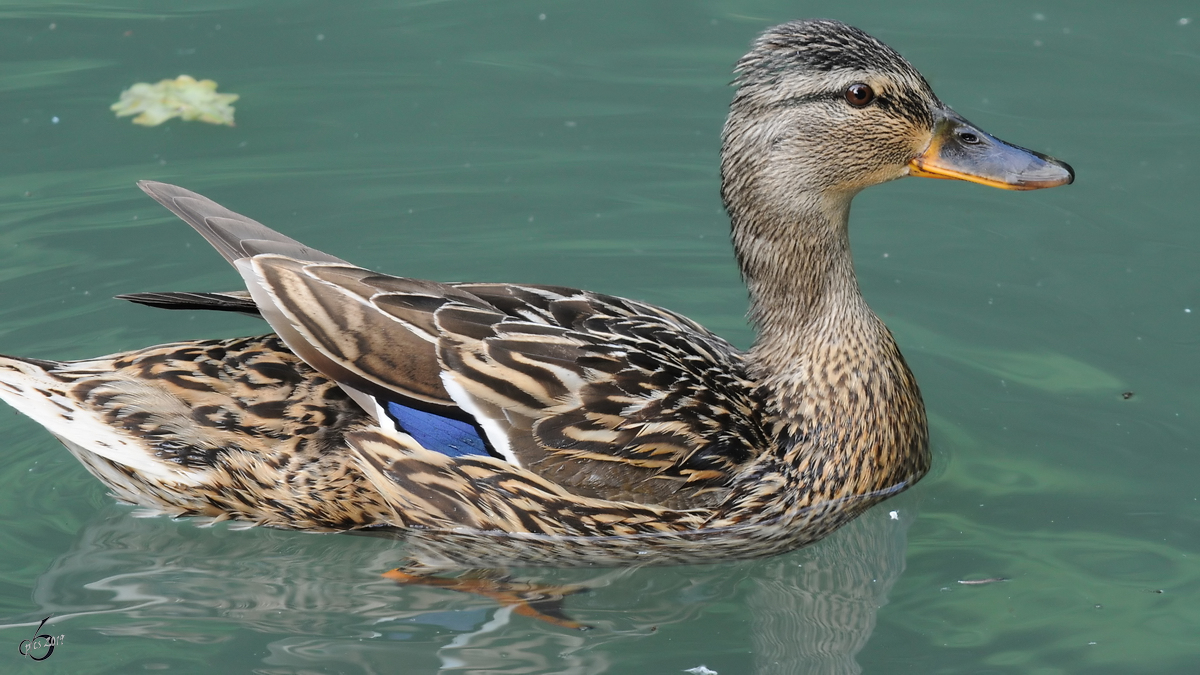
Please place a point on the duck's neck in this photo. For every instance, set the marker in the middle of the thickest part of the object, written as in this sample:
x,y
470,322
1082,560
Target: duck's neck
x,y
841,403
805,301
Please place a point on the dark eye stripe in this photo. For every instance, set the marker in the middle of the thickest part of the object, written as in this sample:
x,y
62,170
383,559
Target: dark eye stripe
x,y
825,96
806,99
910,105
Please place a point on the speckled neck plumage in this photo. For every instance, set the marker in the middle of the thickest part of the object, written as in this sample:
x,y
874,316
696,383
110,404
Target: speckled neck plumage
x,y
836,388
833,379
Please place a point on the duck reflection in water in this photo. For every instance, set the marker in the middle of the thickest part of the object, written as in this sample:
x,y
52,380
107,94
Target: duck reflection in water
x,y
320,602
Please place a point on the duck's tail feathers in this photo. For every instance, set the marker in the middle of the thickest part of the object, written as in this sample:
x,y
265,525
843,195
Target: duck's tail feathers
x,y
42,391
232,301
37,363
233,235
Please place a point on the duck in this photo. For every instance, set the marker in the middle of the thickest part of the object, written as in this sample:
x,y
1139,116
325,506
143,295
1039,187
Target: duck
x,y
497,423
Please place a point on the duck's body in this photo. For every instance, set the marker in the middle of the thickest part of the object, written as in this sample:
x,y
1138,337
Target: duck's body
x,y
545,424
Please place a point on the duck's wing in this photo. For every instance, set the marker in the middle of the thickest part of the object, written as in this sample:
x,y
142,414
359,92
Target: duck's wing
x,y
239,239
607,397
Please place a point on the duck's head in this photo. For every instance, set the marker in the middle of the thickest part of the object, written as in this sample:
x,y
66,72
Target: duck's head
x,y
824,110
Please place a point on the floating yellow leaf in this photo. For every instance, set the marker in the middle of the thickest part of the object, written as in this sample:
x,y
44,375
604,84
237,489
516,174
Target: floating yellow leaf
x,y
182,97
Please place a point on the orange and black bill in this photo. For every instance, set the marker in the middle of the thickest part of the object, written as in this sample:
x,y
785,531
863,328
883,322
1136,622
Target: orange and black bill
x,y
962,151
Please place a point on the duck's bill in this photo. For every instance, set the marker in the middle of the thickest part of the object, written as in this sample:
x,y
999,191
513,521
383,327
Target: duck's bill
x,y
961,151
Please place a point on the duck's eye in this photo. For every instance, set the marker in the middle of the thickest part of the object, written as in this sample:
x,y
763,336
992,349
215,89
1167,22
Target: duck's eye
x,y
859,94
968,137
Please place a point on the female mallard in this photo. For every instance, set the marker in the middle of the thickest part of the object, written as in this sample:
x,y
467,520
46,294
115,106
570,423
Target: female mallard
x,y
500,422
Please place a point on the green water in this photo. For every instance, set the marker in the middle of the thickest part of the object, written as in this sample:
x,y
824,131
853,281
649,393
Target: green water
x,y
576,144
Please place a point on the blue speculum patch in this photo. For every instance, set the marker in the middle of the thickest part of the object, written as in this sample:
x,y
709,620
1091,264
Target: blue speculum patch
x,y
434,432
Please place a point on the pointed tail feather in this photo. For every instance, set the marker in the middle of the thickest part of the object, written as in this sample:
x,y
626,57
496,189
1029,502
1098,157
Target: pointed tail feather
x,y
231,301
233,235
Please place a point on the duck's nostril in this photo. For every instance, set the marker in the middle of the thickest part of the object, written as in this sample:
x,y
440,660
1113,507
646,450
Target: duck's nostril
x,y
968,137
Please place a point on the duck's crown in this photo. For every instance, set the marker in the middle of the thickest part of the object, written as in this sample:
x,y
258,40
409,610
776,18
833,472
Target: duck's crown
x,y
818,45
